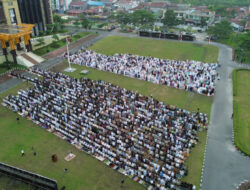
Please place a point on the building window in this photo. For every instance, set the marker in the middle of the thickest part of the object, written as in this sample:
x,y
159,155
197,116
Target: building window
x,y
12,16
10,3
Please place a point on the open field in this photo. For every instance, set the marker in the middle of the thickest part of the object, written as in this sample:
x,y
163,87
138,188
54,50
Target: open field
x,y
241,89
157,48
168,95
84,172
180,98
195,161
25,134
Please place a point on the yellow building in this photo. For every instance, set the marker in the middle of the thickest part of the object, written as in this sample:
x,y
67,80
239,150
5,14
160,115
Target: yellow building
x,y
9,12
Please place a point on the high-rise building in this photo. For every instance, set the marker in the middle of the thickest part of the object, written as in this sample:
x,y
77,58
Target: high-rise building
x,y
37,12
9,12
60,5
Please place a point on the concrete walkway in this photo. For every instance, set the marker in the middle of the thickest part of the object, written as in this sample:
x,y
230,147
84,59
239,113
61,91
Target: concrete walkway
x,y
9,84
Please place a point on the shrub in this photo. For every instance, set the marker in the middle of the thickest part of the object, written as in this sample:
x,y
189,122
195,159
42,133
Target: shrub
x,y
54,45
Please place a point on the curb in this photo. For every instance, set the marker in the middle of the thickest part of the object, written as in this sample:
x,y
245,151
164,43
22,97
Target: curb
x,y
237,148
13,69
204,160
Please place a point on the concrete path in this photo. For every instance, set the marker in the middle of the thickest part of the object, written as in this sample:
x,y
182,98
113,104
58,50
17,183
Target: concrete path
x,y
9,84
224,166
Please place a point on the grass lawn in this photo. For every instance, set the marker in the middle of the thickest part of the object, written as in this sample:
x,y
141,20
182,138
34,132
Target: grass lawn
x,y
180,98
60,43
157,48
195,161
85,172
168,95
241,88
4,68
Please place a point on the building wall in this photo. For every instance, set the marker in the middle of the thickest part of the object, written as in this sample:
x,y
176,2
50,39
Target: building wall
x,y
36,12
6,6
2,16
61,5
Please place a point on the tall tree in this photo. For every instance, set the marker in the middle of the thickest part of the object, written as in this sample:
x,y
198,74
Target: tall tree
x,y
84,22
143,17
221,30
123,18
58,21
203,21
76,23
170,18
244,41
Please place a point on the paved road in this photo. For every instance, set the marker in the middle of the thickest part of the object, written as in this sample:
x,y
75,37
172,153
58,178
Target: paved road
x,y
9,84
224,167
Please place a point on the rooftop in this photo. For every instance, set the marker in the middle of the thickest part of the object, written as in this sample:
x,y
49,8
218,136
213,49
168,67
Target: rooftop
x,y
77,3
95,3
75,11
158,4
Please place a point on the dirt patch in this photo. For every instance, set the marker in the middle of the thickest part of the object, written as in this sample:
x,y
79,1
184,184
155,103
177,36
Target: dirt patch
x,y
4,78
7,76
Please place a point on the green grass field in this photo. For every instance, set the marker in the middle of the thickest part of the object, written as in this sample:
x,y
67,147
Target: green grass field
x,y
195,161
47,144
241,88
180,98
85,172
157,48
168,95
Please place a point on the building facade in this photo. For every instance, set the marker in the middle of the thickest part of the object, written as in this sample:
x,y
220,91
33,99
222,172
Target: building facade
x,y
37,12
60,5
9,12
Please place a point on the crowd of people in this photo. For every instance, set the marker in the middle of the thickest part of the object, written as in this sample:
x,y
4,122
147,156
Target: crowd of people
x,y
187,75
138,134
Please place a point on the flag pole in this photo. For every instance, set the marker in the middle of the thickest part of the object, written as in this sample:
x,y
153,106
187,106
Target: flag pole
x,y
69,69
67,42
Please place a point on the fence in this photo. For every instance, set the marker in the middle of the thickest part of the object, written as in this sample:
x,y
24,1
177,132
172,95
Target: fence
x,y
13,69
28,177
